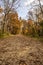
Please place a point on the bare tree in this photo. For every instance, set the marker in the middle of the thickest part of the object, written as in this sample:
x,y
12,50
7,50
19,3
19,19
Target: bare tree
x,y
40,6
8,6
30,15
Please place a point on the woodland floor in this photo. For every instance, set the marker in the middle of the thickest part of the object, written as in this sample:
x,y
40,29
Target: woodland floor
x,y
20,50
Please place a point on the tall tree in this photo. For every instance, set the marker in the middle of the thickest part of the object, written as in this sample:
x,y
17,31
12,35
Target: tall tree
x,y
8,6
40,6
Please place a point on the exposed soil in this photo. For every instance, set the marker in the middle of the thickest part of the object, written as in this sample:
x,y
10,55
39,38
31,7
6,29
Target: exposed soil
x,y
20,50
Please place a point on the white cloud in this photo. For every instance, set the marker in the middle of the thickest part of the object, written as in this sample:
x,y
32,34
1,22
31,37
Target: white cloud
x,y
28,2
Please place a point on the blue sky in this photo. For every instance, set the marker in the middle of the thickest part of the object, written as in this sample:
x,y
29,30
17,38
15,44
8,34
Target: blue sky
x,y
23,9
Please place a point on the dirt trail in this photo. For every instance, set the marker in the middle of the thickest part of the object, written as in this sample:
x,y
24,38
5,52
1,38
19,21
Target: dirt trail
x,y
18,48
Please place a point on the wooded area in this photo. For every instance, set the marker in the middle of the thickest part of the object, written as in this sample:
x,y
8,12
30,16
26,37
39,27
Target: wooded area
x,y
11,23
21,34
